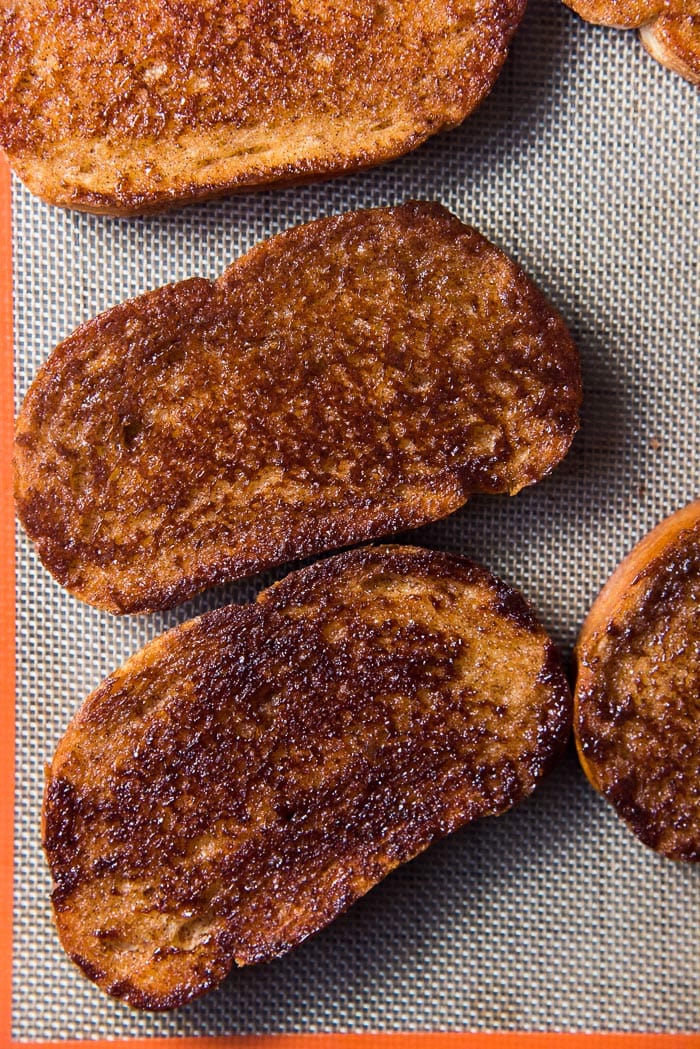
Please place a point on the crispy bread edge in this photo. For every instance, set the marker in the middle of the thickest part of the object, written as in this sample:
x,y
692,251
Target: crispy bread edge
x,y
617,597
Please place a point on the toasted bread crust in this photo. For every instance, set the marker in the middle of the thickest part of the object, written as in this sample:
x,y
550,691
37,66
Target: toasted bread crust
x,y
638,688
669,29
674,40
618,14
201,102
247,776
346,379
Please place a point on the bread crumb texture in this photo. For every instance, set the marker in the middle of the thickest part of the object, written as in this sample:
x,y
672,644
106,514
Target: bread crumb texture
x,y
137,105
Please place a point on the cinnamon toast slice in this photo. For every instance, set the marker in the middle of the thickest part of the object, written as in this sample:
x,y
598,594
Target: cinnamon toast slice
x,y
673,39
248,775
637,699
138,105
669,29
346,379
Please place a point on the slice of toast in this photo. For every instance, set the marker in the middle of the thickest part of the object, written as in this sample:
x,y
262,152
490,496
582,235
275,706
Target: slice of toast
x,y
619,14
674,39
247,776
638,688
137,105
347,379
669,29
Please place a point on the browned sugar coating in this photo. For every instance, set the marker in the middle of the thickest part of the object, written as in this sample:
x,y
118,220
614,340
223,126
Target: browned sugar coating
x,y
135,105
637,715
247,776
674,39
669,29
622,14
344,380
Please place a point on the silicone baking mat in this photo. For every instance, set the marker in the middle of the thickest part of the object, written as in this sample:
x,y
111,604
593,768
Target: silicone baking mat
x,y
582,164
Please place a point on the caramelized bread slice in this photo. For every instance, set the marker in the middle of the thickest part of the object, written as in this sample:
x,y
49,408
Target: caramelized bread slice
x,y
637,701
620,14
245,777
674,39
137,105
344,380
669,29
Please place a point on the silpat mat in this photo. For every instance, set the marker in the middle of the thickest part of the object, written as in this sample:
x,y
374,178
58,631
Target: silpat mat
x,y
583,165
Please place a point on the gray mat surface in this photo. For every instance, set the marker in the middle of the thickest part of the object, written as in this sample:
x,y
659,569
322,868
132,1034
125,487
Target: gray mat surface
x,y
582,164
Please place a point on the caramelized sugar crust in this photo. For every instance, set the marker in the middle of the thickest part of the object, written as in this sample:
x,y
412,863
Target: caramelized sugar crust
x,y
621,14
344,380
247,776
638,699
674,39
131,106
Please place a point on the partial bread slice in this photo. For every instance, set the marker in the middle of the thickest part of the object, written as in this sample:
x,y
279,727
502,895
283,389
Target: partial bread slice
x,y
346,379
247,776
637,701
674,40
669,29
619,14
137,105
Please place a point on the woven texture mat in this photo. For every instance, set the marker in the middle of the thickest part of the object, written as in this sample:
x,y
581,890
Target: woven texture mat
x,y
582,164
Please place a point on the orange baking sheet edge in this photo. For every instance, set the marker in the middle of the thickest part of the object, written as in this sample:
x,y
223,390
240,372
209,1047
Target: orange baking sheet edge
x,y
398,1040
7,597
364,1040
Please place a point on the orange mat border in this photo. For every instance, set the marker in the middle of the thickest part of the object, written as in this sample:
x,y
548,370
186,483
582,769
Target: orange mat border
x,y
365,1040
7,603
396,1040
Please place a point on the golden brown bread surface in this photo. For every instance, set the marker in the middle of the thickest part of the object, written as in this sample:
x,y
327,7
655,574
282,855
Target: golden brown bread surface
x,y
133,106
637,700
621,14
669,29
674,39
247,776
344,380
